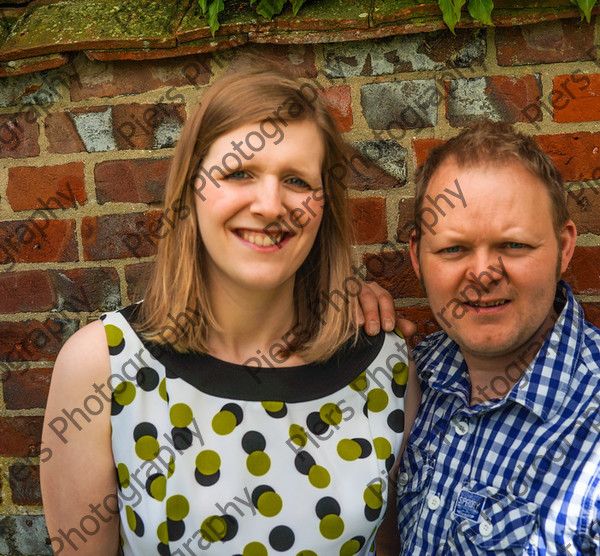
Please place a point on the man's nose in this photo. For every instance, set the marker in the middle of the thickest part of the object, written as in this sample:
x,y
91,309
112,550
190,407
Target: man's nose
x,y
480,271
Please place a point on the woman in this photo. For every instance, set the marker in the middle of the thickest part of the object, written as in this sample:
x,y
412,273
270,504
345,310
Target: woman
x,y
248,414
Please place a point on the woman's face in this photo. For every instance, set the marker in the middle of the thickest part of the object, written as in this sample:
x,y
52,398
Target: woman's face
x,y
261,204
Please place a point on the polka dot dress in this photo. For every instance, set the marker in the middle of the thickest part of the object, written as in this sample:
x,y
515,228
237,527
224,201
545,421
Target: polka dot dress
x,y
217,458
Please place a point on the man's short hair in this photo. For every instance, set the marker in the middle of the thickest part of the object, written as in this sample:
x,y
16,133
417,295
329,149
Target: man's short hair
x,y
486,142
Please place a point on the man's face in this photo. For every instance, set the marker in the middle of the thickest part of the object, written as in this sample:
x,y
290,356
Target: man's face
x,y
490,269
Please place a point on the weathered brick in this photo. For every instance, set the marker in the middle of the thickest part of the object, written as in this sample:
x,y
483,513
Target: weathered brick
x,y
423,318
20,436
576,97
577,155
19,135
368,219
592,313
147,126
545,43
26,388
26,291
497,97
131,181
421,148
406,219
402,53
583,272
388,155
62,134
137,276
87,289
31,89
110,79
363,172
33,340
118,236
24,482
24,534
46,186
400,104
584,207
392,270
339,103
36,241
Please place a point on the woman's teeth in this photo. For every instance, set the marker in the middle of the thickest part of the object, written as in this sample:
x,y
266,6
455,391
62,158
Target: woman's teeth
x,y
261,239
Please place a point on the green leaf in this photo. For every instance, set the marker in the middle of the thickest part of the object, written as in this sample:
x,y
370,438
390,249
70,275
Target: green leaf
x,y
203,5
296,5
585,6
481,10
451,12
215,8
269,8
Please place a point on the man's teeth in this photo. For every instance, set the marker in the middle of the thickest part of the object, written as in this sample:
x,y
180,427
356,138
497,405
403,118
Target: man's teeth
x,y
260,239
489,304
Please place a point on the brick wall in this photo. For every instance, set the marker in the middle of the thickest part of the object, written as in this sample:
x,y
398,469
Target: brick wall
x,y
85,150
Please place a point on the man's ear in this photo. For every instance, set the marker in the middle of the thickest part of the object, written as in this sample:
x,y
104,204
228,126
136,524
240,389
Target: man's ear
x,y
414,256
566,243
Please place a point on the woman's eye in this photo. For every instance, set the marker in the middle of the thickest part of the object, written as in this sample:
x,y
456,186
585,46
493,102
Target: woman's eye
x,y
239,175
297,182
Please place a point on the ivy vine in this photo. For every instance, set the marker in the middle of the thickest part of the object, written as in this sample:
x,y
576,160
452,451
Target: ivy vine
x,y
481,10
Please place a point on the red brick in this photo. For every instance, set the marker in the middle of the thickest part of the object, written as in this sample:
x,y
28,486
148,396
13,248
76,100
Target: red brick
x,y
20,436
592,313
421,148
137,276
131,181
36,241
135,125
46,186
423,318
368,219
26,291
87,289
576,98
118,236
339,103
62,135
24,482
34,340
361,173
545,43
19,135
583,272
111,79
584,208
26,388
406,219
393,271
577,155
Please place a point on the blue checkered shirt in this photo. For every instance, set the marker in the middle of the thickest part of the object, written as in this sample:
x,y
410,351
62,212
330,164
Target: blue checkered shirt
x,y
518,475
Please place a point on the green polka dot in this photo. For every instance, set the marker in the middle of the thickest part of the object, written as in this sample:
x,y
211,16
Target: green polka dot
x,y
377,400
331,414
208,462
400,372
224,422
331,526
163,533
273,407
131,520
307,553
269,504
171,468
177,507
383,448
123,474
360,382
213,528
319,476
114,335
162,390
181,415
349,450
124,393
147,448
373,497
349,548
258,463
158,488
298,435
255,549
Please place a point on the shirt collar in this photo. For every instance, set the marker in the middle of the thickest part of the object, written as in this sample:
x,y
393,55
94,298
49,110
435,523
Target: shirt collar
x,y
544,383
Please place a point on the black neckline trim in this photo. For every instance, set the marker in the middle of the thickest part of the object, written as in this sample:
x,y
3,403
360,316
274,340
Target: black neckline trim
x,y
298,383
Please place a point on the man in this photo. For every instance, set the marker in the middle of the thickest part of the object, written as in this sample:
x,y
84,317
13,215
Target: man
x,y
504,457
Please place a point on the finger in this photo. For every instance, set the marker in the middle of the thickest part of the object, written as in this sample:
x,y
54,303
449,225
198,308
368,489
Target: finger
x,y
407,327
369,305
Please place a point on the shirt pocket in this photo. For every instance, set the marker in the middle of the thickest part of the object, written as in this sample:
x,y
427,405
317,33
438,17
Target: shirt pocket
x,y
414,475
505,524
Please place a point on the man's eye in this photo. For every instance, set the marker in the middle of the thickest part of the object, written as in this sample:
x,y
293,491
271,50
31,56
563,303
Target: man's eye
x,y
453,249
515,245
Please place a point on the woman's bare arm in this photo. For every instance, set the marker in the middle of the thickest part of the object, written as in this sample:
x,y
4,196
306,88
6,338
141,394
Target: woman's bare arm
x,y
77,470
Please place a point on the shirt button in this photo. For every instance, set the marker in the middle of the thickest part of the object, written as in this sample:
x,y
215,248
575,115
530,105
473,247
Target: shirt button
x,y
485,528
433,502
461,427
403,479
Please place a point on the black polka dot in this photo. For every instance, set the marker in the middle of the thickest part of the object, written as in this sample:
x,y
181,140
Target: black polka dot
x,y
326,506
360,540
115,407
147,379
371,514
281,538
175,529
253,441
206,480
236,410
163,549
315,424
232,527
303,462
389,463
366,410
182,437
365,446
398,389
395,420
258,491
144,429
